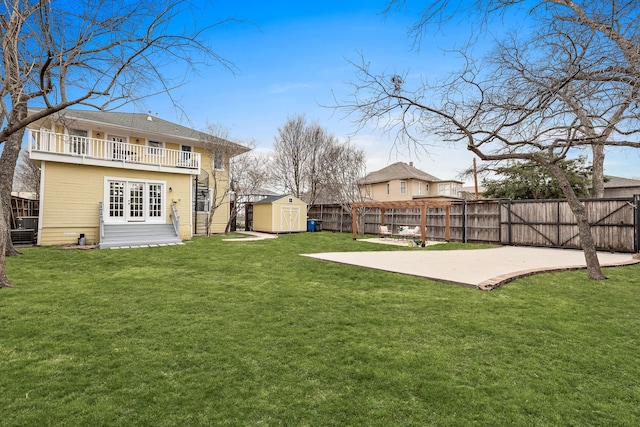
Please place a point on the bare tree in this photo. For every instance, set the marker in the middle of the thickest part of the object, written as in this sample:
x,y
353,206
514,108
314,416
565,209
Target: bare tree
x,y
345,167
97,53
27,175
291,154
299,158
248,172
569,61
220,151
537,107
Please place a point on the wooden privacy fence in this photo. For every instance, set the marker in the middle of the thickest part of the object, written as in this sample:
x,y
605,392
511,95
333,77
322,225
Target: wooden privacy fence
x,y
615,223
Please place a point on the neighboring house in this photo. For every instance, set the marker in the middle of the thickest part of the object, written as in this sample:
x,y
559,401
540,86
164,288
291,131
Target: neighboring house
x,y
401,181
122,179
469,193
615,186
259,194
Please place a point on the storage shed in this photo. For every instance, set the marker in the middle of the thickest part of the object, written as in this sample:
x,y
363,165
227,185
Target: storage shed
x,y
280,214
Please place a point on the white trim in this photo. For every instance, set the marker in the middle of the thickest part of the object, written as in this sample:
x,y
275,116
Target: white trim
x,y
78,160
41,203
165,202
190,210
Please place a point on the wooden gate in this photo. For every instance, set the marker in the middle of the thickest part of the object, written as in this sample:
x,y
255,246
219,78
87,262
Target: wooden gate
x,y
248,217
551,223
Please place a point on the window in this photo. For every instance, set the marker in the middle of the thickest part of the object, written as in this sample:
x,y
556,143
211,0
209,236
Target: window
x,y
444,189
155,200
218,160
403,187
457,189
78,141
419,187
203,199
155,148
116,199
388,188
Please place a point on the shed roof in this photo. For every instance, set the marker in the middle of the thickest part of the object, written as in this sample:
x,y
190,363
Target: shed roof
x,y
271,199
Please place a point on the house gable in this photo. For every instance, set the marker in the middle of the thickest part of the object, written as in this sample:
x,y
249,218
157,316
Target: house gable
x,y
401,181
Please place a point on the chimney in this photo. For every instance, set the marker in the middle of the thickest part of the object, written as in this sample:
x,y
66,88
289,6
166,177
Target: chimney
x,y
411,164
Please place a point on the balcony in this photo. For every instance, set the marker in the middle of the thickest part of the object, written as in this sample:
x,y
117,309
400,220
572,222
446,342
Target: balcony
x,y
50,146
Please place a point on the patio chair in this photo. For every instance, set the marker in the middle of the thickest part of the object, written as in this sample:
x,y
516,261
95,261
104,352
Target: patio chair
x,y
384,231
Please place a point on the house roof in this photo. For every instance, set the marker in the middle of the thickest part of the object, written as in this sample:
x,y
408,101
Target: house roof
x,y
399,170
619,182
145,123
262,192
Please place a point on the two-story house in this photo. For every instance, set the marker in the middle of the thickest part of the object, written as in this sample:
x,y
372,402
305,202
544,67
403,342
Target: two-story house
x,y
127,179
402,181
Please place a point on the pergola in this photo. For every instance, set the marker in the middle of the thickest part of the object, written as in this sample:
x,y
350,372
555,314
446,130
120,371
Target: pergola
x,y
422,204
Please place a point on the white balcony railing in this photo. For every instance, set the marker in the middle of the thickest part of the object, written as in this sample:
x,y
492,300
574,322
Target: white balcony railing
x,y
113,151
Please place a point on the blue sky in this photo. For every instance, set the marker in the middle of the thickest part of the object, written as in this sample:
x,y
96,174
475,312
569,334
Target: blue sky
x,y
292,57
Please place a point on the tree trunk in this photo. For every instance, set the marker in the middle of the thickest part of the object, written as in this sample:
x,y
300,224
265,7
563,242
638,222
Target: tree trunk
x,y
4,281
597,171
586,238
8,161
232,215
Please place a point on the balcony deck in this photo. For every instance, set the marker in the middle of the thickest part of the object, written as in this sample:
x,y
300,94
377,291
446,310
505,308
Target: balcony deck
x,y
45,145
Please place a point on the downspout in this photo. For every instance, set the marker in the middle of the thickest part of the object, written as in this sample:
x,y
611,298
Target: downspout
x,y
40,201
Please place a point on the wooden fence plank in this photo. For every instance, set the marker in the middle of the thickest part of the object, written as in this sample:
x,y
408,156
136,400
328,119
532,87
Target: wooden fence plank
x,y
614,223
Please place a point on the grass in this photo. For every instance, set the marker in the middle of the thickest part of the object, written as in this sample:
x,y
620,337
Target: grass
x,y
251,334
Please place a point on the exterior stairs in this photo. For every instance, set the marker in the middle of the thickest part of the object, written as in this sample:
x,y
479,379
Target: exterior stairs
x,y
135,235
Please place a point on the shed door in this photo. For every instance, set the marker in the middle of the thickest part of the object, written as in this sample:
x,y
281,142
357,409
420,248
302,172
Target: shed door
x,y
290,218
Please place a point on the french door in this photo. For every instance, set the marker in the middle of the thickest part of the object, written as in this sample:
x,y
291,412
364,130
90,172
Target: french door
x,y
134,201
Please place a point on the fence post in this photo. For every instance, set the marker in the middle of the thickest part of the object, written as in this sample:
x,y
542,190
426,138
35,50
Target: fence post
x,y
464,221
636,203
510,238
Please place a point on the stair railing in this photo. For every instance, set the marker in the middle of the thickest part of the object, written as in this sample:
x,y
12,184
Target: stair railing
x,y
175,219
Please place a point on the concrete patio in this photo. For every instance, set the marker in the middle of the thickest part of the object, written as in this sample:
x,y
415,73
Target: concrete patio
x,y
483,269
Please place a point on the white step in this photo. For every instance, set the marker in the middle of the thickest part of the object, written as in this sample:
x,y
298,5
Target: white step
x,y
127,235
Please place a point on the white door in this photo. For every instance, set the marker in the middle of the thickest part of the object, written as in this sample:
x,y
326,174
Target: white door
x,y
78,142
135,204
290,218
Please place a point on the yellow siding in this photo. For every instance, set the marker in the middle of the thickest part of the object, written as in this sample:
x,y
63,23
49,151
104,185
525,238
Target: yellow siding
x,y
378,191
220,219
69,204
263,218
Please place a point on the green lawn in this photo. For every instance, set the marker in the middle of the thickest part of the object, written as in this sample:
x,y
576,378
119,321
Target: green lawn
x,y
251,334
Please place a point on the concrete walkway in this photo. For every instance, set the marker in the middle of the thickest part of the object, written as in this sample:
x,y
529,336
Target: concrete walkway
x,y
478,268
253,236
